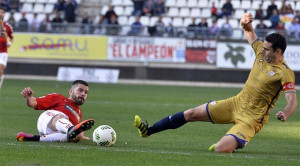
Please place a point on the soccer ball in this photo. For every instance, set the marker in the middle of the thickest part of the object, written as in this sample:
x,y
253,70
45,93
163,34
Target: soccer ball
x,y
104,135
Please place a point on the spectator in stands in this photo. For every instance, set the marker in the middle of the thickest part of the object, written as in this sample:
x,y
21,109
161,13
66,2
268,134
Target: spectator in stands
x,y
283,7
101,25
271,8
136,27
280,28
46,24
70,8
227,9
159,27
214,29
170,29
137,7
294,29
261,29
86,24
59,5
5,5
34,23
226,29
288,14
113,25
14,5
110,12
23,23
148,8
57,23
193,28
11,20
203,27
274,18
159,8
298,15
259,13
214,11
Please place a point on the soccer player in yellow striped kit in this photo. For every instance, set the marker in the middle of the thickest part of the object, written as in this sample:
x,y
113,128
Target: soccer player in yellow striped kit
x,y
250,109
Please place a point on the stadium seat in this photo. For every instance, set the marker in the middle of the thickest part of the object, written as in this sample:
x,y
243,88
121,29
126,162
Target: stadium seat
x,y
177,22
153,21
255,22
238,13
17,16
96,20
206,13
166,20
30,1
41,17
27,7
266,4
192,3
170,3
187,21
220,22
128,10
217,3
145,20
203,4
6,16
127,3
236,4
237,34
52,1
288,2
181,3
29,17
297,7
123,20
49,8
117,2
251,11
255,4
245,4
104,9
131,20
38,8
173,12
184,12
119,10
268,23
234,23
221,3
41,1
195,12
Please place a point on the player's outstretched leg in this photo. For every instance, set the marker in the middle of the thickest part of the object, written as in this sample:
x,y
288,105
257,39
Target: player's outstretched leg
x,y
142,126
74,131
27,137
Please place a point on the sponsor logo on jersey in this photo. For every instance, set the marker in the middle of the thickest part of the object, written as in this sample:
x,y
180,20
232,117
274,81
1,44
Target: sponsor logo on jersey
x,y
213,103
260,60
242,135
272,73
73,111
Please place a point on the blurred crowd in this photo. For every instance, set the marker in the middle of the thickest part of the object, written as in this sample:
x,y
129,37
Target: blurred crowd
x,y
283,20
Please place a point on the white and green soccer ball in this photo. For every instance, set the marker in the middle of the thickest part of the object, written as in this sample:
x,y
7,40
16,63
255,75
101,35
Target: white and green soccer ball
x,y
104,135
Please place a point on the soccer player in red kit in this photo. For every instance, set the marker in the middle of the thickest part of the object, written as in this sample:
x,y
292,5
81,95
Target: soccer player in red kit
x,y
6,30
61,122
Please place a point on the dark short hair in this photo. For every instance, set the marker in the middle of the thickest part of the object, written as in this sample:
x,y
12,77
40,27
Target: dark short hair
x,y
2,8
277,41
80,82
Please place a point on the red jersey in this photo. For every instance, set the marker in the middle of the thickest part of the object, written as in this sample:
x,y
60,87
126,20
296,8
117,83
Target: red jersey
x,y
62,104
3,41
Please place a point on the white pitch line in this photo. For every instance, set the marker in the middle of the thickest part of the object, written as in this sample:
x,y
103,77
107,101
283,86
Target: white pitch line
x,y
240,156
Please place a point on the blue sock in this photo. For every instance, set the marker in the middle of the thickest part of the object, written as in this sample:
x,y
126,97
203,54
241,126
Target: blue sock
x,y
169,122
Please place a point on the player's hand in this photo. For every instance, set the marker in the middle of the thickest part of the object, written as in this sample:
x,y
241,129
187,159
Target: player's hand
x,y
82,137
27,92
246,19
281,116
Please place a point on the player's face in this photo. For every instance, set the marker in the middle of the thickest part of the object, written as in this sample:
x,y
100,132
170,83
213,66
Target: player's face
x,y
268,52
79,93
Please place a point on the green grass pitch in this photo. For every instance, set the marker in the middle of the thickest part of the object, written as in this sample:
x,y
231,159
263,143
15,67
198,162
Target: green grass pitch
x,y
116,104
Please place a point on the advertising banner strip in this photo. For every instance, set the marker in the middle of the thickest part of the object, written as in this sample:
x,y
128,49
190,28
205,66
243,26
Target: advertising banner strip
x,y
202,51
146,49
241,56
88,74
48,46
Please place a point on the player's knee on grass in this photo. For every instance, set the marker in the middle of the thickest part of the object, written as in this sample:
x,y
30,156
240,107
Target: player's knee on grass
x,y
226,145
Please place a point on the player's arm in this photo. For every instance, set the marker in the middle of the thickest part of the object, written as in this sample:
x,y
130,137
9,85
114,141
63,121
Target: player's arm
x,y
291,106
246,23
30,99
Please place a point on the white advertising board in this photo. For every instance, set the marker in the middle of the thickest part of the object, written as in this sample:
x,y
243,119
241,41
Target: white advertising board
x,y
241,56
88,74
146,49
